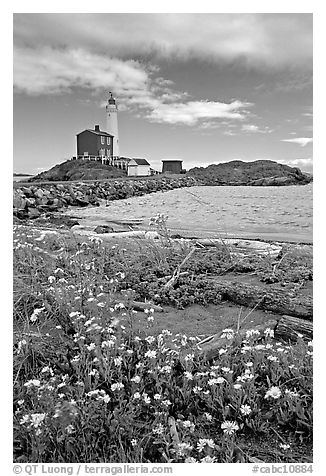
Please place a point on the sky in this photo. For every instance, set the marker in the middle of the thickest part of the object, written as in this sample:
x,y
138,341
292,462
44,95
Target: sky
x,y
201,87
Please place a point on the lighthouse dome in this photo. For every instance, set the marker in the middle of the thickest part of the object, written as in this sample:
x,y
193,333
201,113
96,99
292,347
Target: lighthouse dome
x,y
111,99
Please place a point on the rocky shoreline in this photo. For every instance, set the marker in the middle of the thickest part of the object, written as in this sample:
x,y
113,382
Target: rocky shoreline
x,y
32,200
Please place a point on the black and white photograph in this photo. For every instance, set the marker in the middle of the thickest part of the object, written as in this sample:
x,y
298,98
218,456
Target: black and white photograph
x,y
162,241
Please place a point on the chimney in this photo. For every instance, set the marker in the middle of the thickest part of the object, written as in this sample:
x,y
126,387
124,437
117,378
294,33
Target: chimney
x,y
97,128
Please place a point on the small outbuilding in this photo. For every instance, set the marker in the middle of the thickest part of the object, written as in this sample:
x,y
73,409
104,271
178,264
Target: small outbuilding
x,y
172,166
138,168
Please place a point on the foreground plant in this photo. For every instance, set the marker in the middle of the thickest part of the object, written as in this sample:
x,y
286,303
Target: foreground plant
x,y
89,387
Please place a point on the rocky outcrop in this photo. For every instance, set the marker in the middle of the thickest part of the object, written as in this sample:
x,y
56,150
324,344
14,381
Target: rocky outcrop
x,y
79,170
258,173
30,201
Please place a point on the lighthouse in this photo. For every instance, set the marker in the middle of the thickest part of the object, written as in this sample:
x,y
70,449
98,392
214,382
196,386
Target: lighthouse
x,y
112,124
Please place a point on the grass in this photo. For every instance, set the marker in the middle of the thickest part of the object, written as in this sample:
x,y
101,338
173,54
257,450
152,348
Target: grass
x,y
91,386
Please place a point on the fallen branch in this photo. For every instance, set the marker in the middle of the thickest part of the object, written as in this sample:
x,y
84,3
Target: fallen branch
x,y
176,273
141,306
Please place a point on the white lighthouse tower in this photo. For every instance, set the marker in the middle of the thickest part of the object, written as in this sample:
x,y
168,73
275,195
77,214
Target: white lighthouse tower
x,y
112,124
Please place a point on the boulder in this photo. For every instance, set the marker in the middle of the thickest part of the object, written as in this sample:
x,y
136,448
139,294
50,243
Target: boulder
x,y
19,202
103,229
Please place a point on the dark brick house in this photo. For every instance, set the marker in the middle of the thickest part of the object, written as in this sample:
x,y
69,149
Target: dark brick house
x,y
94,143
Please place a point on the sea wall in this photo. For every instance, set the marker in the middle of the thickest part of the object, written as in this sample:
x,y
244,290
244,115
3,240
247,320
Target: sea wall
x,y
30,201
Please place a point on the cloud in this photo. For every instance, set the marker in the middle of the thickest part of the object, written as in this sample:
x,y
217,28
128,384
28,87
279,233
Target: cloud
x,y
191,112
51,71
55,71
305,164
274,40
252,128
302,141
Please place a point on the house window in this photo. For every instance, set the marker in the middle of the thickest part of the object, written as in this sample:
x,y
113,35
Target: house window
x,y
102,140
108,152
108,140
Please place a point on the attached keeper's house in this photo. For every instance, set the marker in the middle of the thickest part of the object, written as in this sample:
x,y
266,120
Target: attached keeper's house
x,y
94,144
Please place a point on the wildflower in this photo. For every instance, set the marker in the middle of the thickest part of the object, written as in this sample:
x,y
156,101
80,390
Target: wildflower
x,y
227,370
106,399
51,279
189,425
272,358
269,332
208,416
150,339
101,304
213,381
20,344
197,389
157,396
36,419
166,369
107,343
291,393
208,459
135,379
189,357
32,383
117,386
20,402
70,429
91,346
150,319
136,395
159,430
188,375
237,386
251,333
129,351
273,392
151,354
190,459
166,403
310,343
92,392
222,351
133,442
284,447
118,361
229,427
228,333
36,313
249,364
245,409
183,448
93,372
24,420
204,442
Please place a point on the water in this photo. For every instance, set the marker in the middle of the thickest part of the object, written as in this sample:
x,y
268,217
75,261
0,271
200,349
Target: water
x,y
273,213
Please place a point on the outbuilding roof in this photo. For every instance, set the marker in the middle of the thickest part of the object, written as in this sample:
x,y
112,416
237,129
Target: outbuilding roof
x,y
141,161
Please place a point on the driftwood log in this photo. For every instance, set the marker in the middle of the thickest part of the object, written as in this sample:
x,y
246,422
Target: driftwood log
x,y
287,328
290,328
274,299
141,306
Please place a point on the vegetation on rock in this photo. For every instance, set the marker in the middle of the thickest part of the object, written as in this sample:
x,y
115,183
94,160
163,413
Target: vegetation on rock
x,y
258,172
